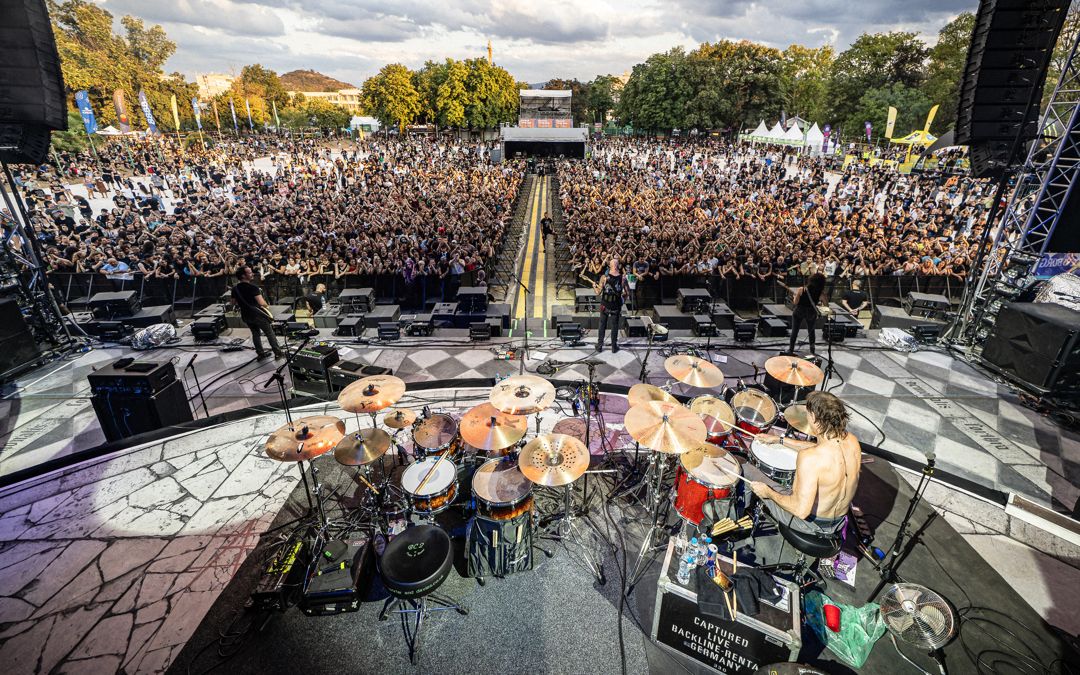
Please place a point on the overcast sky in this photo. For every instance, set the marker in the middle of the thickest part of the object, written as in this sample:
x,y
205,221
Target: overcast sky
x,y
534,39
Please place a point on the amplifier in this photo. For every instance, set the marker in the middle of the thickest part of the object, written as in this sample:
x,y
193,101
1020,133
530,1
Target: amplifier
x,y
316,357
704,326
352,325
284,571
693,301
208,327
635,326
339,577
132,378
114,304
357,300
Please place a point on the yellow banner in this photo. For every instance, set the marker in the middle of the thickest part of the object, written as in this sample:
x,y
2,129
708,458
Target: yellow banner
x,y
890,124
930,119
175,113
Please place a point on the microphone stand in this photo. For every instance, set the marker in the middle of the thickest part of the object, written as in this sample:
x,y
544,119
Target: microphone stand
x,y
648,352
198,387
898,552
525,346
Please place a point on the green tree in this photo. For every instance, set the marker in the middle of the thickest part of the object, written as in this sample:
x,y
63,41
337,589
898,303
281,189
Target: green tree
x,y
1060,55
451,96
945,70
255,80
579,97
602,94
804,77
72,140
656,95
873,61
427,81
315,112
391,96
492,95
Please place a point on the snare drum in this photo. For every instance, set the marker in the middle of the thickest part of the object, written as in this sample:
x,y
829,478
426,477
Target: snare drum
x,y
502,492
440,490
754,411
775,461
704,482
718,416
435,434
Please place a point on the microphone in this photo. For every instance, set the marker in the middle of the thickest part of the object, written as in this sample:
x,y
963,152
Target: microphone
x,y
193,357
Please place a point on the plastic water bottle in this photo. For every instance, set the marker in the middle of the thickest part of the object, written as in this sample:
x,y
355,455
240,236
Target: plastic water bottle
x,y
683,576
693,552
702,550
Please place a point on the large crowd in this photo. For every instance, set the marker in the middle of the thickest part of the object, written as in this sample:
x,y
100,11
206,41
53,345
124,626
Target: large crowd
x,y
740,211
419,209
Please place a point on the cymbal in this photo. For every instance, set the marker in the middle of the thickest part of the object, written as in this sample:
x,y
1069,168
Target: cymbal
x,y
363,447
553,460
693,371
371,394
486,428
715,412
796,417
692,459
399,418
665,427
795,371
522,395
305,439
643,393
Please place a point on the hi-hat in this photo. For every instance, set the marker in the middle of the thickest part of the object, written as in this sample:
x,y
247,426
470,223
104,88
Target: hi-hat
x,y
795,371
372,394
665,427
363,447
522,395
693,371
305,439
399,418
553,460
643,393
797,419
486,428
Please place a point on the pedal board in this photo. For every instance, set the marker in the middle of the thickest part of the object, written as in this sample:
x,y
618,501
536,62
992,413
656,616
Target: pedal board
x,y
284,571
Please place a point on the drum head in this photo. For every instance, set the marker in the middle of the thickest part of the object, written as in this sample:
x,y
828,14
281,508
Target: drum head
x,y
776,456
715,471
444,476
755,407
435,432
500,482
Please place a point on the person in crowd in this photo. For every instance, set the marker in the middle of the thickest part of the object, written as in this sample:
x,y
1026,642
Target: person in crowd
x,y
855,300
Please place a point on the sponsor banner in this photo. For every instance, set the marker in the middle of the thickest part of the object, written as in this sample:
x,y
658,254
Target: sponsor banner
x,y
564,124
198,113
527,124
544,123
1053,264
82,100
147,113
123,120
890,124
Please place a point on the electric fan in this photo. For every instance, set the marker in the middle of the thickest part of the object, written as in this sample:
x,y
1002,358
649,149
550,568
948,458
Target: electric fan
x,y
919,617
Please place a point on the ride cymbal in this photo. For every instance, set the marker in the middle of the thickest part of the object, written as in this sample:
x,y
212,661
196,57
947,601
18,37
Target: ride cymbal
x,y
643,393
553,460
693,371
665,427
522,395
371,394
797,419
795,371
363,447
399,418
305,439
487,428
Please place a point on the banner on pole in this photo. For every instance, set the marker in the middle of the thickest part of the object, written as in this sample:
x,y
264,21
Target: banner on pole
x,y
825,132
247,104
277,122
232,108
82,99
123,122
198,113
217,119
175,113
890,123
930,119
147,113
868,130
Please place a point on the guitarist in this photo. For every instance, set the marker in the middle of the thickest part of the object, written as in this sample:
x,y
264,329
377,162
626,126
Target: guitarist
x,y
255,312
612,290
806,298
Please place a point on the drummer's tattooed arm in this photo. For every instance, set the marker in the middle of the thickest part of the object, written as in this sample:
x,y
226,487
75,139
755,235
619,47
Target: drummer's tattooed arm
x,y
800,503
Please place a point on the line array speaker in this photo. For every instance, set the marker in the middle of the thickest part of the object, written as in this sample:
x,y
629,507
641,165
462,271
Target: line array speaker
x,y
1037,344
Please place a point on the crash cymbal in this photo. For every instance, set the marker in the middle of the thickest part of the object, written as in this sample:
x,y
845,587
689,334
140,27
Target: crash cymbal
x,y
522,395
305,439
553,460
693,371
363,447
715,412
795,371
399,418
665,427
643,393
371,394
692,459
486,428
796,417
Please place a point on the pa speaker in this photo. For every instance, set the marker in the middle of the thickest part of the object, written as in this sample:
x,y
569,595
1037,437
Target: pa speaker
x,y
17,345
32,101
1006,68
123,415
1037,344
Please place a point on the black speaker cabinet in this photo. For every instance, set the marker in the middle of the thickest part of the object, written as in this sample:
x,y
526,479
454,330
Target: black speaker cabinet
x,y
1037,344
17,344
123,416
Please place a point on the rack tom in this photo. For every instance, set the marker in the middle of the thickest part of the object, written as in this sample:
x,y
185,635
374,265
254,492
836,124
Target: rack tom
x,y
502,492
755,411
434,435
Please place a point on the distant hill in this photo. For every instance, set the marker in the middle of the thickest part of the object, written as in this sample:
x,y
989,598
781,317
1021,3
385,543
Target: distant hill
x,y
309,80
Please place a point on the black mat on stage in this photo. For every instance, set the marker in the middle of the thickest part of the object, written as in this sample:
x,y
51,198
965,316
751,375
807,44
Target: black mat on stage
x,y
558,619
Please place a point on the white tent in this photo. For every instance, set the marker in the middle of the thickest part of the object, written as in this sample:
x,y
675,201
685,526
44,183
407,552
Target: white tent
x,y
110,131
814,138
367,123
777,132
794,135
760,131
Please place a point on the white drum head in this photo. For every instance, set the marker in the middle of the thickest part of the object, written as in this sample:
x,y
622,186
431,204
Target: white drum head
x,y
445,474
500,481
711,471
776,456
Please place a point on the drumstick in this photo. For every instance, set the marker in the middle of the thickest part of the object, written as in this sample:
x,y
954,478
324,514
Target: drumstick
x,y
366,482
735,596
737,475
431,471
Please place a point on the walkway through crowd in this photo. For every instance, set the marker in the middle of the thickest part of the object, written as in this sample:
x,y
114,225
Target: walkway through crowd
x,y
534,266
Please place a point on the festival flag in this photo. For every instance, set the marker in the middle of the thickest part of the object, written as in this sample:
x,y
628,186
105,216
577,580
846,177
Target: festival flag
x,y
783,119
123,122
277,122
868,128
217,120
247,104
930,119
175,113
235,125
825,132
82,100
890,124
198,113
147,113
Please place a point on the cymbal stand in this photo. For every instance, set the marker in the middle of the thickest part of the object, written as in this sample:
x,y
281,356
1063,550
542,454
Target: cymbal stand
x,y
564,528
651,544
829,369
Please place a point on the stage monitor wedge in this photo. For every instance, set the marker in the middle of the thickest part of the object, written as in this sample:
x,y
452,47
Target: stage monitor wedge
x,y
1007,62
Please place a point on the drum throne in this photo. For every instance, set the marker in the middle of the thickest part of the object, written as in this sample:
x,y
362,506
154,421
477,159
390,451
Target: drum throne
x,y
811,548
